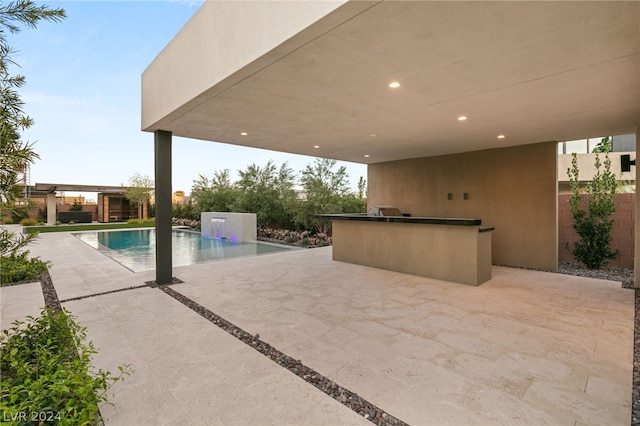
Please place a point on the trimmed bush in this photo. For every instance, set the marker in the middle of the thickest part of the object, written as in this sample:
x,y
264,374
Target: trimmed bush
x,y
7,220
47,372
28,222
18,267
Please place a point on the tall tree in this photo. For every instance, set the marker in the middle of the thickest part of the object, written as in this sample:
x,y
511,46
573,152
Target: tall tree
x,y
139,190
268,192
216,194
327,191
15,154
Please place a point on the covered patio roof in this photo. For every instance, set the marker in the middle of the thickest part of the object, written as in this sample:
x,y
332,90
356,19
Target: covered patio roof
x,y
312,78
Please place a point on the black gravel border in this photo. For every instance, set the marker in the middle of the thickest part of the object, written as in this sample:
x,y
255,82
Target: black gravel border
x,y
52,302
346,397
635,398
49,293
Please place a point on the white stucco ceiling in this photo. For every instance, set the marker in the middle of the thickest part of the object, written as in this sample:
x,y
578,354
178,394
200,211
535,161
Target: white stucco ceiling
x,y
532,71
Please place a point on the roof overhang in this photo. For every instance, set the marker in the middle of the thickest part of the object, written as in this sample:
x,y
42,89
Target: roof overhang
x,y
312,77
53,187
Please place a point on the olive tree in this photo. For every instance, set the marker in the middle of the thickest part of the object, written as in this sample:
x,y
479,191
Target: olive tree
x,y
269,193
327,191
139,190
217,194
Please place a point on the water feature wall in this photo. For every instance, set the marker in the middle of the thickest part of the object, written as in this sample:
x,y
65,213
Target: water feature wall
x,y
231,226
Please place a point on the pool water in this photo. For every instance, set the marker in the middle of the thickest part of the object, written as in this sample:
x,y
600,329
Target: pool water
x,y
135,249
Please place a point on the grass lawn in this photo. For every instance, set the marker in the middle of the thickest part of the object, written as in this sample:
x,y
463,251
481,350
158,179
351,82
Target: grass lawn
x,y
86,227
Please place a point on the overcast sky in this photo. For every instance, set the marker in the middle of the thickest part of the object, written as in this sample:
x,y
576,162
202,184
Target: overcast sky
x,y
83,91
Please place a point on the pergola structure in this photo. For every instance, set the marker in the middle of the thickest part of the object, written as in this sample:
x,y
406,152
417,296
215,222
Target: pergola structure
x,y
51,188
409,88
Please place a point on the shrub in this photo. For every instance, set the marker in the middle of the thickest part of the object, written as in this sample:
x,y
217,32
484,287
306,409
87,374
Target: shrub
x,y
134,221
7,220
28,222
18,267
150,220
46,371
594,224
75,207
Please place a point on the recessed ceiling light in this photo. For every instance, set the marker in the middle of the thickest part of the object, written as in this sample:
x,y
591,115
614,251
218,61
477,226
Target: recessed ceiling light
x,y
500,136
244,133
366,156
394,84
374,135
316,146
462,118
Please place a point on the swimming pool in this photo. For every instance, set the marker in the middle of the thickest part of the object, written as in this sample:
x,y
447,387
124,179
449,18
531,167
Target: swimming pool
x,y
135,249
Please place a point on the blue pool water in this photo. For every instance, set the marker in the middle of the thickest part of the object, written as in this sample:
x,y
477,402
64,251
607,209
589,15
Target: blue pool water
x,y
135,249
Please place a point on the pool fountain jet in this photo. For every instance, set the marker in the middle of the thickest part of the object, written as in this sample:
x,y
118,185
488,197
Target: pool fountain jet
x,y
216,229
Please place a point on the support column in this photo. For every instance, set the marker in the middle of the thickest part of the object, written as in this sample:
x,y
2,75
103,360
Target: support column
x,y
164,267
51,208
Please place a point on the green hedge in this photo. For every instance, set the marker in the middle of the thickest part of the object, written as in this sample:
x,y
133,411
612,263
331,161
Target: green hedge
x,y
93,227
18,267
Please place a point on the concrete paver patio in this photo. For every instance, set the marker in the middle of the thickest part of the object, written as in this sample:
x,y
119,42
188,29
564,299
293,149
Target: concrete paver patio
x,y
526,347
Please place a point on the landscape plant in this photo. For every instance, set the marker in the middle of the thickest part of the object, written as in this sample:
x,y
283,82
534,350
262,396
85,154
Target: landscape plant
x,y
75,207
327,191
139,191
47,376
15,154
217,194
269,193
593,224
15,263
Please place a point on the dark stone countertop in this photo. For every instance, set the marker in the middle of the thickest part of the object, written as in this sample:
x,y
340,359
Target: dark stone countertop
x,y
404,219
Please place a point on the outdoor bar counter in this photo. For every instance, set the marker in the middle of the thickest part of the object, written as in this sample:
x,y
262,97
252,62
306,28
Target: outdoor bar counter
x,y
450,249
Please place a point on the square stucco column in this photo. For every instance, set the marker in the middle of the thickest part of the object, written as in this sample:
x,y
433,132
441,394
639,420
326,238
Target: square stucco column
x,y
51,208
164,267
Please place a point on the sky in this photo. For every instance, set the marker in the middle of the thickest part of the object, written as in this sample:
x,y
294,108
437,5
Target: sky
x,y
83,92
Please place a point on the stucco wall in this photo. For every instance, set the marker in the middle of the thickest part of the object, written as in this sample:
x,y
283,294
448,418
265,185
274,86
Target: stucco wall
x,y
513,189
218,43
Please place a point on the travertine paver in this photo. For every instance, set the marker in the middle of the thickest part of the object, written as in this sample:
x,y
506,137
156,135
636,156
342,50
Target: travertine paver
x,y
19,301
525,348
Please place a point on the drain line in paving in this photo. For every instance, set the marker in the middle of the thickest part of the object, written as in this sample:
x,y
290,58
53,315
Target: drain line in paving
x,y
348,398
104,292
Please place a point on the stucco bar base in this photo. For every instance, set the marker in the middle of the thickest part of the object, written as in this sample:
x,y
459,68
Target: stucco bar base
x,y
460,254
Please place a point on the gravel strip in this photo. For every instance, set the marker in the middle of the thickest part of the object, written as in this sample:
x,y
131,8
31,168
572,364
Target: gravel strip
x,y
635,399
49,293
612,273
348,398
